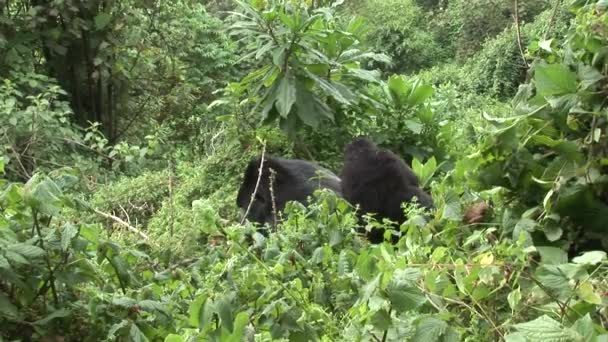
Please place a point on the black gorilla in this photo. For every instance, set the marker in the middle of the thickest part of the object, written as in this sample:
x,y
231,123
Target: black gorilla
x,y
294,180
379,181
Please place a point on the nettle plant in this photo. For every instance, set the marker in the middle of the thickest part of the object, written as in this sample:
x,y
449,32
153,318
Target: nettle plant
x,y
310,62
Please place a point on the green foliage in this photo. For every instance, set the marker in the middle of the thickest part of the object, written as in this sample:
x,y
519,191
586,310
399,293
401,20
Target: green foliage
x,y
159,253
498,68
311,60
464,25
552,154
35,127
401,28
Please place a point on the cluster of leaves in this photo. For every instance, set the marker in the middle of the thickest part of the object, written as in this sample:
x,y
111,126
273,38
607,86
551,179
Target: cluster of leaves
x,y
552,154
60,277
311,62
37,132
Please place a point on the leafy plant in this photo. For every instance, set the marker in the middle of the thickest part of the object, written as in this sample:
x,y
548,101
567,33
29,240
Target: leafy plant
x,y
311,62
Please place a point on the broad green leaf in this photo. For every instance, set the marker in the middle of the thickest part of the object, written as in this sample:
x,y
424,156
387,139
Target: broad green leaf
x,y
102,20
514,298
136,335
16,258
286,95
240,323
28,251
174,338
516,337
405,297
570,150
552,255
195,311
152,305
588,294
545,328
430,329
554,79
420,93
7,308
68,232
124,302
399,89
590,258
585,327
367,75
224,310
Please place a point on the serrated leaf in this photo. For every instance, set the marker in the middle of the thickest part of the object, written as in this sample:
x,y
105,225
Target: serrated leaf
x,y
430,329
136,334
584,326
152,305
545,328
554,79
68,232
28,251
124,302
404,298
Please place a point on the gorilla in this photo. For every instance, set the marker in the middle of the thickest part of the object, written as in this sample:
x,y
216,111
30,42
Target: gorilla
x,y
294,180
379,181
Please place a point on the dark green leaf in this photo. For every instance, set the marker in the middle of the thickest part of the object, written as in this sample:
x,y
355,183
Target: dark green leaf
x,y
545,328
68,232
286,95
7,308
136,335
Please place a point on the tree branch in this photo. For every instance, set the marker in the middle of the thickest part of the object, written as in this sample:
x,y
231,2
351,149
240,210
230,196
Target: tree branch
x,y
121,222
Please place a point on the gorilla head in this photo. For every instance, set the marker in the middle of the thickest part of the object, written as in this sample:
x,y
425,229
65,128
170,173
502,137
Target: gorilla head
x,y
294,180
379,181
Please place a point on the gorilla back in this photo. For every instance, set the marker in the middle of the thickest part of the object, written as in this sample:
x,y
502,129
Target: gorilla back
x,y
294,180
379,181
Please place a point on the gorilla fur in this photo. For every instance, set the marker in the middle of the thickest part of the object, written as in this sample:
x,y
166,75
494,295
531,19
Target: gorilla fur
x,y
294,180
379,181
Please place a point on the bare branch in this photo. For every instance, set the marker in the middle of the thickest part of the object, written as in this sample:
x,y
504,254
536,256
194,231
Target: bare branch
x,y
519,44
257,184
121,222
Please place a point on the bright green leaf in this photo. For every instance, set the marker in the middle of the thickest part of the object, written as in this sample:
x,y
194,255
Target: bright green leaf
x,y
554,79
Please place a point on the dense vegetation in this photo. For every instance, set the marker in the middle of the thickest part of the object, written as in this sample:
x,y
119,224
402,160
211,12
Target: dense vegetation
x,y
125,128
